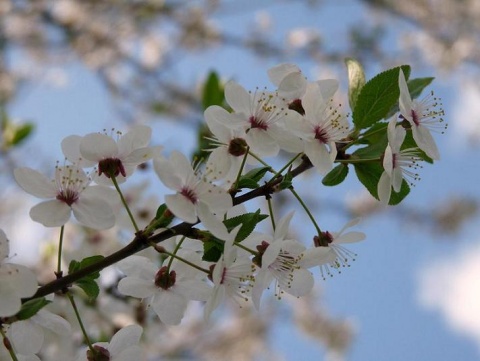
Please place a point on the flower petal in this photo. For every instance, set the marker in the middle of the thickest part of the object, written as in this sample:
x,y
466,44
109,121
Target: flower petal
x,y
384,188
35,183
96,146
181,207
127,337
137,287
26,336
138,137
53,213
170,307
238,98
93,212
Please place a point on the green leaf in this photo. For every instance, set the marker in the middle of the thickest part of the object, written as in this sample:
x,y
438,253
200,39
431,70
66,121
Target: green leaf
x,y
30,308
377,97
212,250
377,144
250,179
90,287
248,221
213,92
162,219
286,181
336,176
369,173
87,283
416,86
356,80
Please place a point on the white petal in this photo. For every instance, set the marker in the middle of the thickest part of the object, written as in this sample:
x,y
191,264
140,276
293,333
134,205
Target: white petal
x,y
27,337
315,257
319,156
238,98
181,207
425,141
125,338
388,160
219,163
138,156
166,171
138,266
313,103
212,223
22,279
277,73
138,137
301,284
262,281
397,179
214,301
53,213
137,287
35,183
405,101
53,322
4,246
95,147
71,150
9,300
384,188
262,143
292,86
281,230
170,307
328,87
216,117
217,199
94,213
193,289
350,237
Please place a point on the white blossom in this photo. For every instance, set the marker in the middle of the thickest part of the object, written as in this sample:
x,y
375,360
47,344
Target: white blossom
x,y
68,192
16,281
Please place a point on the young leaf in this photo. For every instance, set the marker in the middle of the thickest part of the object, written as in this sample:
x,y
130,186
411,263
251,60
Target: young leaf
x,y
369,173
356,80
416,86
213,92
212,250
87,283
30,308
248,221
250,180
336,176
377,97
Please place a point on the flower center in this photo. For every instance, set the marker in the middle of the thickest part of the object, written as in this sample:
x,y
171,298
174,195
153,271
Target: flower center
x,y
237,147
323,240
415,117
111,167
67,196
297,106
165,280
256,122
189,194
321,134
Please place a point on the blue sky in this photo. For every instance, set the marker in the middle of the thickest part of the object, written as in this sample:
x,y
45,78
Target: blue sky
x,y
380,292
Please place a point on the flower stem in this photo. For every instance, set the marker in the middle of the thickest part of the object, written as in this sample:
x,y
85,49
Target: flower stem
x,y
286,166
300,200
353,161
60,247
163,251
8,345
270,210
115,183
245,248
240,170
175,252
77,314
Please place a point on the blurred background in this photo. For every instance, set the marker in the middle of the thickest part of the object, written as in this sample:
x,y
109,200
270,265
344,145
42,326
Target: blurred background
x,y
413,292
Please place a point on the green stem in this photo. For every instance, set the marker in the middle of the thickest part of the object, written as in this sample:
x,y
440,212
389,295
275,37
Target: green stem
x,y
259,159
270,210
77,314
162,250
246,248
175,252
285,166
115,183
60,247
353,161
6,342
240,170
319,231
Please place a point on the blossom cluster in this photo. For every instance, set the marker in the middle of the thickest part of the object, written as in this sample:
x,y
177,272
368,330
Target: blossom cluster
x,y
224,257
